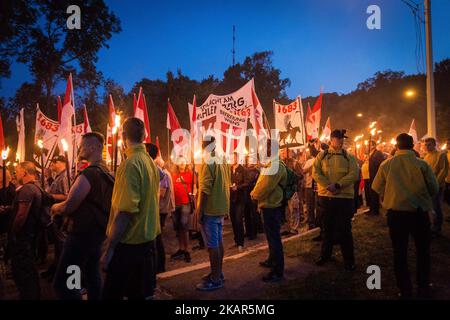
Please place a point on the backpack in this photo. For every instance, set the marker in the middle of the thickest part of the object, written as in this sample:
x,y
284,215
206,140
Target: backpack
x,y
291,186
344,154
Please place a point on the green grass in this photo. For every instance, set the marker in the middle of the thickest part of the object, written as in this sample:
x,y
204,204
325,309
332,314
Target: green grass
x,y
372,247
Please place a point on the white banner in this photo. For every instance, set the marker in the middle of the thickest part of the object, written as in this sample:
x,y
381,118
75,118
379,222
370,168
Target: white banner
x,y
289,121
228,115
47,130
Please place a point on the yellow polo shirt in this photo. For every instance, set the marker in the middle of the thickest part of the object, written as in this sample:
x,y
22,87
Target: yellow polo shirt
x,y
136,191
406,183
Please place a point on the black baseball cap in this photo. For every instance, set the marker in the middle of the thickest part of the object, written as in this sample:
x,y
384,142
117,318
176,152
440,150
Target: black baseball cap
x,y
59,159
339,133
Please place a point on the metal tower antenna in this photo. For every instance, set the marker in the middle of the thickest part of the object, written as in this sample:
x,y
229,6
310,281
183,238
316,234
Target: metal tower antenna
x,y
234,41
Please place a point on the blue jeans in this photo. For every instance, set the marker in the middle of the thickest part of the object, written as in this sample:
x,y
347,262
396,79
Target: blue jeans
x,y
272,224
83,250
212,230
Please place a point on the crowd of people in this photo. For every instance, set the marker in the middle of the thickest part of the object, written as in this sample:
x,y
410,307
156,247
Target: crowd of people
x,y
112,223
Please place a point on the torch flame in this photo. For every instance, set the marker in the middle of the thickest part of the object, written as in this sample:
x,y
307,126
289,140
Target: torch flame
x,y
373,131
65,145
444,147
393,141
40,144
358,137
5,153
372,124
119,143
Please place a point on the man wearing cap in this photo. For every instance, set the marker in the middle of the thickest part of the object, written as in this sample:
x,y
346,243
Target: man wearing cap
x,y
58,190
60,185
407,186
336,171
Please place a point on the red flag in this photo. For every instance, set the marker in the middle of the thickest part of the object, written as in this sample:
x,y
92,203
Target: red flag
x,y
326,132
87,125
146,121
2,137
59,109
142,113
112,112
67,121
172,121
309,124
317,111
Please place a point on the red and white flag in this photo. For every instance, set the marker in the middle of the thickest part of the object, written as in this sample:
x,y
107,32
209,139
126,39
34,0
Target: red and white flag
x,y
172,123
259,119
326,132
413,132
312,132
316,112
66,123
87,125
141,112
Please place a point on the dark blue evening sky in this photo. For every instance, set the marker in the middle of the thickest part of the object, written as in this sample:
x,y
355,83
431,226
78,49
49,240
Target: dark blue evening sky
x,y
322,43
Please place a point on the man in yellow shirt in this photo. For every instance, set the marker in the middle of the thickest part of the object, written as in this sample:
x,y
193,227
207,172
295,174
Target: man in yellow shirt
x,y
439,164
133,225
336,171
213,206
407,186
268,193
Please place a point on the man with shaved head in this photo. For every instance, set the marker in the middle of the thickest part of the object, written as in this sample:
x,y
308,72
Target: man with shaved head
x,y
87,207
25,225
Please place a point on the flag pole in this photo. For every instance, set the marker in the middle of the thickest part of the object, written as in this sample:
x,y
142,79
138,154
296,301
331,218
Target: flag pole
x,y
74,124
168,145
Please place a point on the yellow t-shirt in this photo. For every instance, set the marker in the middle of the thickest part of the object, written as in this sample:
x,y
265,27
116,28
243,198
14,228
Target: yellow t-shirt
x,y
215,182
136,191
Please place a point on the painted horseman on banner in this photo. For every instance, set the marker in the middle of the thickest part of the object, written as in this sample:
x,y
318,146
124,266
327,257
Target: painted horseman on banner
x,y
289,136
290,123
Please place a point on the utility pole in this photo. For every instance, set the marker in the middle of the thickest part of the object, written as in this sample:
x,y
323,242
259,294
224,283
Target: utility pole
x,y
431,112
234,40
